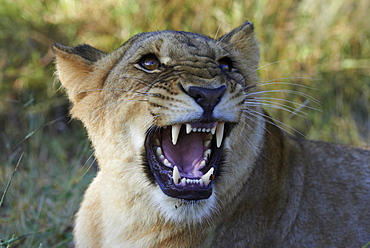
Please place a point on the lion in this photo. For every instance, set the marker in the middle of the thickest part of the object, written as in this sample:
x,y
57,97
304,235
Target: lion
x,y
188,157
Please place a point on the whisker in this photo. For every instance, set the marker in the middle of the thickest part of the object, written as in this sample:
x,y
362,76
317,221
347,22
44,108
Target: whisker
x,y
273,82
267,99
255,122
155,116
89,167
280,106
153,128
273,121
304,105
276,62
286,91
222,22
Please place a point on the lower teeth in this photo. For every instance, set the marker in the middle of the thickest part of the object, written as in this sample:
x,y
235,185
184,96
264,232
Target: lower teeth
x,y
204,180
185,181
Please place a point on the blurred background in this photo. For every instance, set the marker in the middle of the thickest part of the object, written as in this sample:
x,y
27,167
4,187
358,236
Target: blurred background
x,y
315,69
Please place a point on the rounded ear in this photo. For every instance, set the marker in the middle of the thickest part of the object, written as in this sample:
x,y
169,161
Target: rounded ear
x,y
84,51
74,65
239,34
241,41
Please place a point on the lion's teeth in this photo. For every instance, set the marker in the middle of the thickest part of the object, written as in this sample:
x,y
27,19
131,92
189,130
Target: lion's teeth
x,y
220,133
213,130
207,153
207,177
158,151
175,133
203,163
176,175
207,141
188,128
166,162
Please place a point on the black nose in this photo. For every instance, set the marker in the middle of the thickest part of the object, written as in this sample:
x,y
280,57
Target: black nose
x,y
207,98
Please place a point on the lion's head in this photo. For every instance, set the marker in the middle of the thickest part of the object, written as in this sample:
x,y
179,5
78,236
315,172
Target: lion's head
x,y
170,111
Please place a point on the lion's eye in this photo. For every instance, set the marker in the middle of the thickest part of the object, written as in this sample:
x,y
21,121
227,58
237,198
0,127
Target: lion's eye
x,y
150,63
225,64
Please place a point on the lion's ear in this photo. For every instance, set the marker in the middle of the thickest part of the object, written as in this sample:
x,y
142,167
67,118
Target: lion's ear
x,y
239,35
242,41
74,66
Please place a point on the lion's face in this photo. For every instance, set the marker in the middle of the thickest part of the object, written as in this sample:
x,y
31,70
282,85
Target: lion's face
x,y
172,104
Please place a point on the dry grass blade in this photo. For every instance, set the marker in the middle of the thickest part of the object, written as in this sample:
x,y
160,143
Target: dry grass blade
x,y
10,180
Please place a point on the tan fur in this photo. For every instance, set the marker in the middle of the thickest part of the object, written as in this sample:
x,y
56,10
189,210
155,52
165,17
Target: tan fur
x,y
271,190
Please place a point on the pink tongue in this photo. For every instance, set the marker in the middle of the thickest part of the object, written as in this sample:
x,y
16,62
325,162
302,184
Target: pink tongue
x,y
186,153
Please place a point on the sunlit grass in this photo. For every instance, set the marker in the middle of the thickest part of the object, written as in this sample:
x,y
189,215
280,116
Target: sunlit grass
x,y
321,45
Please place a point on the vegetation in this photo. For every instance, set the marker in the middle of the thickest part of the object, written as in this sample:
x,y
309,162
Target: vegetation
x,y
317,49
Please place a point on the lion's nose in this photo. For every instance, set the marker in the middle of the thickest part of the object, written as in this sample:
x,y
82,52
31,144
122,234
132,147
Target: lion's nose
x,y
207,98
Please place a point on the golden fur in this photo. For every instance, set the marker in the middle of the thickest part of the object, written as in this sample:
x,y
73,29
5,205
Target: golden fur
x,y
268,189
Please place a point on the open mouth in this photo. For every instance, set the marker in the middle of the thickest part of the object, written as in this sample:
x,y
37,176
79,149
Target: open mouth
x,y
184,158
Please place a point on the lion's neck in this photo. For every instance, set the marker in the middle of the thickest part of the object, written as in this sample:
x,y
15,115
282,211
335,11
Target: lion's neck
x,y
269,200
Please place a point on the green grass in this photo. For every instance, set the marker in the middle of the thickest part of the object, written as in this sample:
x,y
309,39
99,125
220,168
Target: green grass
x,y
323,45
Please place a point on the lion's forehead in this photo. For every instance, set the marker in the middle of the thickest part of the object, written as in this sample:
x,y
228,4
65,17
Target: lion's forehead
x,y
181,45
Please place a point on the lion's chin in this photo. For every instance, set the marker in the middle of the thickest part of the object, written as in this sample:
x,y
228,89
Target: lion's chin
x,y
184,211
184,158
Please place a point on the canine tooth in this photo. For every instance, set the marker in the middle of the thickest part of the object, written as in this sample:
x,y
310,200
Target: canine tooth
x,y
158,151
213,130
175,133
207,177
166,162
220,133
207,153
176,175
188,128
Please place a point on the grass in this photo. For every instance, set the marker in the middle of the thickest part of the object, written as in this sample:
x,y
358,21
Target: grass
x,y
320,48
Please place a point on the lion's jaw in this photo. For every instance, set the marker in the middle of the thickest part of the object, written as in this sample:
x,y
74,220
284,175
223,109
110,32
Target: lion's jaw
x,y
124,156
